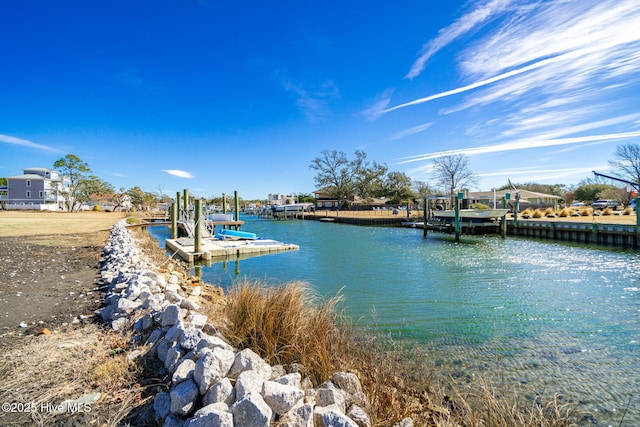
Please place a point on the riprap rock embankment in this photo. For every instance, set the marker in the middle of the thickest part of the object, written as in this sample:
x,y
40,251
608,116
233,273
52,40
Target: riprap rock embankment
x,y
211,383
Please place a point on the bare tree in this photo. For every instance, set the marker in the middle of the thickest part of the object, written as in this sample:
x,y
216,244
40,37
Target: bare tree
x,y
452,173
337,174
628,161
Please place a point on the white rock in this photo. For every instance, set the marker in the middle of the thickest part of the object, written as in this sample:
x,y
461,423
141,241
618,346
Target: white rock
x,y
359,416
187,304
248,382
331,396
196,320
184,371
246,360
331,416
299,416
212,367
183,397
293,380
251,411
222,391
190,338
215,415
174,354
347,381
170,315
281,398
175,332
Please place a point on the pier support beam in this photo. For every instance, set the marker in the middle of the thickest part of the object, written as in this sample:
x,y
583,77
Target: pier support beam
x,y
424,215
457,216
197,244
236,205
174,220
178,205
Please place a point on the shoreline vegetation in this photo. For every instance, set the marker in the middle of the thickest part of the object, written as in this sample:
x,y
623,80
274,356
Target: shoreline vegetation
x,y
285,325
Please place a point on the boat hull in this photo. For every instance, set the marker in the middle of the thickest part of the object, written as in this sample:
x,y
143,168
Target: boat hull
x,y
236,235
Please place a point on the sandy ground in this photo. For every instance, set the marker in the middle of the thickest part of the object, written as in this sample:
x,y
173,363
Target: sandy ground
x,y
49,268
49,278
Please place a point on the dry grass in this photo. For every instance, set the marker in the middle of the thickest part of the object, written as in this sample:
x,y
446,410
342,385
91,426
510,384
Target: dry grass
x,y
49,369
30,223
285,324
538,213
481,404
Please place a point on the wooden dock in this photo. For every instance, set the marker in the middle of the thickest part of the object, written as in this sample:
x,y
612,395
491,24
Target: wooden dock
x,y
618,235
215,249
590,233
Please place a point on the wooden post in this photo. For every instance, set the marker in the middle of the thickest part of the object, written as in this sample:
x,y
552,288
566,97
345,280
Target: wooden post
x,y
224,203
503,225
174,221
186,201
197,245
178,206
424,216
515,214
637,223
457,216
236,203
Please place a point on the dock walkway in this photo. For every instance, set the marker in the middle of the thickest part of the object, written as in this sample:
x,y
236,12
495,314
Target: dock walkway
x,y
226,249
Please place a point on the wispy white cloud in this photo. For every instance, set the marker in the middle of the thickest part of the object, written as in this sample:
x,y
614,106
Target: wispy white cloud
x,y
179,173
462,26
7,139
547,173
578,51
518,145
411,131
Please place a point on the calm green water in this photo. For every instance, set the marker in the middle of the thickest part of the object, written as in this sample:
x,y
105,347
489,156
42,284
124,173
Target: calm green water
x,y
549,317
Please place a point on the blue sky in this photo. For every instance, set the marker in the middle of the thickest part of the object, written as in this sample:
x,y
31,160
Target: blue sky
x,y
218,96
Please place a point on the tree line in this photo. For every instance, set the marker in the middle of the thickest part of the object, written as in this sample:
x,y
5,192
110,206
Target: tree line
x,y
342,178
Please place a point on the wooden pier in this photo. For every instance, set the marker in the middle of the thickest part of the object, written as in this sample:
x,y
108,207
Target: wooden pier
x,y
215,249
618,235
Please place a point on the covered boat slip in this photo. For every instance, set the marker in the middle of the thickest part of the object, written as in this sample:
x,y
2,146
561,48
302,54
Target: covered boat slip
x,y
215,249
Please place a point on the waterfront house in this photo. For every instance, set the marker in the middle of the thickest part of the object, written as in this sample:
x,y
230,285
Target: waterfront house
x,y
326,201
37,189
278,199
530,199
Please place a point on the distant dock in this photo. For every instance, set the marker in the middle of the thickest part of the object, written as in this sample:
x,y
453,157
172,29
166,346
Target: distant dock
x,y
214,249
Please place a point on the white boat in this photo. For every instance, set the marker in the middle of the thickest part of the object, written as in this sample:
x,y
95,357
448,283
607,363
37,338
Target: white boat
x,y
294,207
467,214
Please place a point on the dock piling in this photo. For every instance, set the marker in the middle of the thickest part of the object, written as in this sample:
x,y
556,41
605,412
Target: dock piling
x,y
197,242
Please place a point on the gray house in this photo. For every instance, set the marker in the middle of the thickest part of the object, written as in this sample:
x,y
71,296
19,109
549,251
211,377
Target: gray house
x,y
38,189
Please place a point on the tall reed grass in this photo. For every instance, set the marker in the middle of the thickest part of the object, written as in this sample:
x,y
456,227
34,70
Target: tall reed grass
x,y
286,324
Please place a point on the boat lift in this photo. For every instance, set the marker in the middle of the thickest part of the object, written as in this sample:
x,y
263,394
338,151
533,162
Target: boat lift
x,y
635,185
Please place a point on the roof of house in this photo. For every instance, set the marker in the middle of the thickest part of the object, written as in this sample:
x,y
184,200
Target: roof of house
x,y
27,176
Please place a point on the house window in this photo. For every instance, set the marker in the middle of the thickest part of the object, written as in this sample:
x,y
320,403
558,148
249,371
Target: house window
x,y
28,183
41,194
28,194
